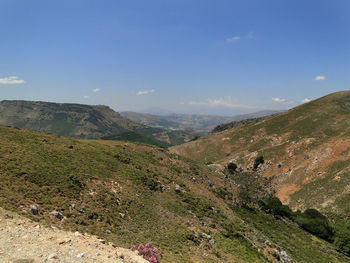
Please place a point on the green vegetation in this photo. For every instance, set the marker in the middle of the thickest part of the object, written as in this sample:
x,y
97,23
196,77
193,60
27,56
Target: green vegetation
x,y
342,236
122,192
234,124
314,222
300,245
135,137
275,206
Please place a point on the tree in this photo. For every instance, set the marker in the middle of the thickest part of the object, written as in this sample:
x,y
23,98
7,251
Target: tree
x,y
231,167
315,223
275,206
258,160
342,237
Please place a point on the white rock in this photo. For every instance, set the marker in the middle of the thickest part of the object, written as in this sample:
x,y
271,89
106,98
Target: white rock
x,y
52,256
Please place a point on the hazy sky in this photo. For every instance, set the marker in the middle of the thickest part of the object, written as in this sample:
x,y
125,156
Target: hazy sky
x,y
207,56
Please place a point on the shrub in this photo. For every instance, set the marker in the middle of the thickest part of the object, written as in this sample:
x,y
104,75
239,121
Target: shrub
x,y
316,223
150,181
192,237
232,167
244,197
275,206
258,160
342,237
222,193
148,252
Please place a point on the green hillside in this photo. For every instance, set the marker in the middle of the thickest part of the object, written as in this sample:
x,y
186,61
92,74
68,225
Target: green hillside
x,y
306,151
130,193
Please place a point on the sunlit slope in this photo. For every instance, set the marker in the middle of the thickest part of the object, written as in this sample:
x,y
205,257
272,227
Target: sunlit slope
x,y
308,148
131,193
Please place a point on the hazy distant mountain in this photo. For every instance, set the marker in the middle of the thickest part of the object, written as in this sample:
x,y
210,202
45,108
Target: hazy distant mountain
x,y
156,111
84,121
197,122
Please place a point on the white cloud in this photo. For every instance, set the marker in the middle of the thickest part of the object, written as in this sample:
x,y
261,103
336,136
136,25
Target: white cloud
x,y
320,78
236,38
11,80
233,39
220,102
279,99
251,35
95,90
145,92
86,97
305,100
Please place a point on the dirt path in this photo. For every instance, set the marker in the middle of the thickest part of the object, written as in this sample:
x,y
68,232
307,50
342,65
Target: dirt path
x,y
24,241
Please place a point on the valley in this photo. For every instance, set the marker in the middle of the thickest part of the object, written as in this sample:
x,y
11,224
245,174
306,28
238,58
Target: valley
x,y
200,123
129,193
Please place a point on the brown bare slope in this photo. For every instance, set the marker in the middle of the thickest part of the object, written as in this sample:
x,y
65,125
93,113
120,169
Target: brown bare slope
x,y
306,149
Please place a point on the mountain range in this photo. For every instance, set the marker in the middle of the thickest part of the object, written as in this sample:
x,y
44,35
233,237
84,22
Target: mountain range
x,y
197,122
85,121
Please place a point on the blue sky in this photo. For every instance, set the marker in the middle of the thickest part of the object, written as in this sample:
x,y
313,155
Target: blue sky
x,y
208,56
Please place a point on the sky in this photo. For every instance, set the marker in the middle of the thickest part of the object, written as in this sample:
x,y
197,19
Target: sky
x,y
222,57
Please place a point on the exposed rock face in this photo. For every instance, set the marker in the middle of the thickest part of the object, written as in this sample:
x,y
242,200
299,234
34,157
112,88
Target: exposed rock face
x,y
283,257
57,214
34,209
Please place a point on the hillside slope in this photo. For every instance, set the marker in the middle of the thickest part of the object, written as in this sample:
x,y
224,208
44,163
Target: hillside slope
x,y
129,193
306,151
83,121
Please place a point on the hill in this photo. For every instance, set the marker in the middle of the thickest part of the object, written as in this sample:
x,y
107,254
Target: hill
x,y
200,123
233,124
130,193
306,152
84,121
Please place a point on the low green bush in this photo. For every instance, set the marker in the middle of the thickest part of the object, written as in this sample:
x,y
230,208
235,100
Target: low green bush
x,y
275,206
342,237
231,167
258,160
316,223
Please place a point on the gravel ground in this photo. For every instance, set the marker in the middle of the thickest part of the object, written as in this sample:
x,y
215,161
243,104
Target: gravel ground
x,y
25,241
